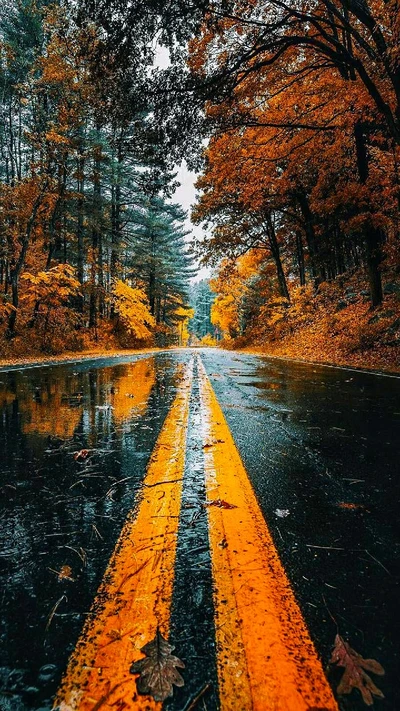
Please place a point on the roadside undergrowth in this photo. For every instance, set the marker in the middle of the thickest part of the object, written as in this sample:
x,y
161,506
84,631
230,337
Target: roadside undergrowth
x,y
330,326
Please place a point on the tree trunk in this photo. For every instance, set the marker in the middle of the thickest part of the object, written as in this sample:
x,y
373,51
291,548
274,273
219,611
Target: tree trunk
x,y
152,278
317,270
79,225
97,253
373,236
300,258
374,239
116,226
276,256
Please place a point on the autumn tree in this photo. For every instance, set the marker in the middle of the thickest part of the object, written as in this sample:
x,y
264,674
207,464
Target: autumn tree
x,y
77,146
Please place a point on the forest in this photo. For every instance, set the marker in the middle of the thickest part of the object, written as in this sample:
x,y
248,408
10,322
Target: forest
x,y
289,114
92,249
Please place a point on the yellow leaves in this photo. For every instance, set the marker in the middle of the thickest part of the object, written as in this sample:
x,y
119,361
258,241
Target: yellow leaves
x,y
51,288
132,306
233,283
183,312
5,308
224,314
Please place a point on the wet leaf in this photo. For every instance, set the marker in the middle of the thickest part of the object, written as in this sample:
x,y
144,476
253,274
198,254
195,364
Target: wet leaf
x,y
158,669
65,573
221,504
81,455
350,506
207,445
355,676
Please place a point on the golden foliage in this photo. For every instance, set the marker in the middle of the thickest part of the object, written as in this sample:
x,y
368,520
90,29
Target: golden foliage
x,y
51,288
132,307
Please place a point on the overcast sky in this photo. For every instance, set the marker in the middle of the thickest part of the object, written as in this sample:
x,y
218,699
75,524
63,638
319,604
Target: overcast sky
x,y
185,195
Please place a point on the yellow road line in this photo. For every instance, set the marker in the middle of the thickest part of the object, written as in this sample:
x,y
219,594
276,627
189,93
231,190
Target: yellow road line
x,y
135,595
266,659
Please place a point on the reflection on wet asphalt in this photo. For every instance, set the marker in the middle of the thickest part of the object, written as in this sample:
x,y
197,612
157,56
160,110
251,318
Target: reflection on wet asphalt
x,y
320,445
61,517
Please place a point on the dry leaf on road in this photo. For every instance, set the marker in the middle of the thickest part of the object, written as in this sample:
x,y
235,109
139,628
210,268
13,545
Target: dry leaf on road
x,y
81,455
355,676
158,669
221,504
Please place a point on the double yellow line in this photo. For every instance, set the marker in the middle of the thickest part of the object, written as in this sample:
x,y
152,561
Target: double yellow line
x,y
266,660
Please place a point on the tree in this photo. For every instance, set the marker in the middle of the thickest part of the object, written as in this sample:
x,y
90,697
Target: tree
x,y
132,311
160,256
201,300
83,178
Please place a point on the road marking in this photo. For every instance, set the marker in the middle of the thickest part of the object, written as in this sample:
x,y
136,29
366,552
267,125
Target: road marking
x,y
136,593
266,659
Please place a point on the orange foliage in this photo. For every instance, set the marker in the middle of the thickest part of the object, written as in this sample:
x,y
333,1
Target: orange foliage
x,y
302,170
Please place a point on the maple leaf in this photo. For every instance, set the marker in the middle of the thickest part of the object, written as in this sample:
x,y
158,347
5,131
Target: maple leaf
x,y
158,669
355,676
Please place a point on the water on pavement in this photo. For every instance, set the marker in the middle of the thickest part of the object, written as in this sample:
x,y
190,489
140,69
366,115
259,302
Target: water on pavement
x,y
321,447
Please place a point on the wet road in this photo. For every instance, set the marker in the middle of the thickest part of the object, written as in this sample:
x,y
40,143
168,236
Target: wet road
x,y
320,446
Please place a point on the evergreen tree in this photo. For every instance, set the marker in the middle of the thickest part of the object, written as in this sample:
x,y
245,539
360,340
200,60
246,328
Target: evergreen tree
x,y
201,300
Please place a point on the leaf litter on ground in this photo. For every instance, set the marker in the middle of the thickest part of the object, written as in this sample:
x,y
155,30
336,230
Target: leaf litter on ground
x,y
158,670
355,671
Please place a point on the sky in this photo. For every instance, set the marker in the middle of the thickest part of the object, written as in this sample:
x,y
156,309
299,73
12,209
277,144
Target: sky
x,y
185,195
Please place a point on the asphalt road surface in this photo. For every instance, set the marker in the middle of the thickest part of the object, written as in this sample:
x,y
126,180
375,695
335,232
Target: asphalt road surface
x,y
139,445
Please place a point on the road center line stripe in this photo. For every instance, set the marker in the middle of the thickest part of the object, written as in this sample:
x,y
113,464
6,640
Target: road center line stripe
x,y
135,595
266,659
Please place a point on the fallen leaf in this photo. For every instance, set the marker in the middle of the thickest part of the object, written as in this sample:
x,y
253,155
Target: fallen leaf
x,y
81,455
65,573
158,669
355,676
221,504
